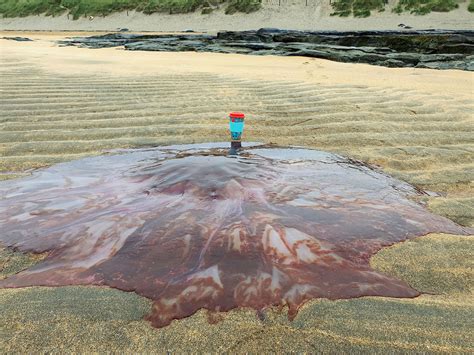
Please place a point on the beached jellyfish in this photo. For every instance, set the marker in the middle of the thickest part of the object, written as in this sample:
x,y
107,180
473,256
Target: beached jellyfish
x,y
191,228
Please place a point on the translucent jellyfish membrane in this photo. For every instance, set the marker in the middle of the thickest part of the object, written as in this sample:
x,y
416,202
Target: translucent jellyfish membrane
x,y
191,228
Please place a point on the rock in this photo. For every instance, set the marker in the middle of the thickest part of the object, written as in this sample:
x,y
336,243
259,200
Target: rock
x,y
411,58
465,48
443,65
250,36
363,57
440,57
256,46
18,39
169,46
312,54
424,49
264,31
392,63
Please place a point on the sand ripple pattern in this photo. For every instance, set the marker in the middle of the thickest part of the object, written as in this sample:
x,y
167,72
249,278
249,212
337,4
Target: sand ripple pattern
x,y
424,139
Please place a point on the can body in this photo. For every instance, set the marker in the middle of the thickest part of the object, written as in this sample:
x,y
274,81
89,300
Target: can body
x,y
236,126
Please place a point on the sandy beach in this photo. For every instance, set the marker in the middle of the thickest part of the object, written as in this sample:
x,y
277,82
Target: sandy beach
x,y
294,15
380,115
64,103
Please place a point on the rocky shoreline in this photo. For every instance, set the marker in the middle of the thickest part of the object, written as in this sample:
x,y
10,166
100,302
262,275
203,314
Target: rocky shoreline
x,y
420,49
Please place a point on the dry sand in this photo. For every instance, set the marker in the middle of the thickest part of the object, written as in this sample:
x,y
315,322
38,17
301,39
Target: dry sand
x,y
290,14
44,54
59,104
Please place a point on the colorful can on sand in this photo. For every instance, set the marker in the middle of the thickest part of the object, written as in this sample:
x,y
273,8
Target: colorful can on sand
x,y
236,126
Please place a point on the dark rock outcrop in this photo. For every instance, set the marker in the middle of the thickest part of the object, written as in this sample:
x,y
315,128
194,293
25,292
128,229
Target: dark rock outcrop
x,y
18,39
421,49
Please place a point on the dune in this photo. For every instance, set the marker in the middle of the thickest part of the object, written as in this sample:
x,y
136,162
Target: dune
x,y
285,14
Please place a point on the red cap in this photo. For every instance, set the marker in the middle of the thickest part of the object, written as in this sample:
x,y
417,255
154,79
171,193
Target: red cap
x,y
236,115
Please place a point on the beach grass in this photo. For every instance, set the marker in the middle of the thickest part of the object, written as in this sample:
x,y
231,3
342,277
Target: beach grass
x,y
363,8
84,8
359,8
245,6
422,7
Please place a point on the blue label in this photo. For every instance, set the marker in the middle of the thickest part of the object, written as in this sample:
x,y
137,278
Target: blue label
x,y
237,126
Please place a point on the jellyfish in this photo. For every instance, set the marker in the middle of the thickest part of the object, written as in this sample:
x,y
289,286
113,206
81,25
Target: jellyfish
x,y
192,228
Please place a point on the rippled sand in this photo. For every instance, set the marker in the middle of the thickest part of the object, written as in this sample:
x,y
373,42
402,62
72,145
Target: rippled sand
x,y
59,104
63,103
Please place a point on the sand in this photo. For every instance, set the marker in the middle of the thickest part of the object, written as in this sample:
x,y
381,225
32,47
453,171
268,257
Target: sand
x,y
59,104
93,319
290,14
406,120
45,55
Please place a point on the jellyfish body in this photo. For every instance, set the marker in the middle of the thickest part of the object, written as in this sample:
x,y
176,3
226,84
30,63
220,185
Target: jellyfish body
x,y
197,229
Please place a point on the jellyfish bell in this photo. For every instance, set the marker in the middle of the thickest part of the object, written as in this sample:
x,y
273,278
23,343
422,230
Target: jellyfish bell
x,y
191,228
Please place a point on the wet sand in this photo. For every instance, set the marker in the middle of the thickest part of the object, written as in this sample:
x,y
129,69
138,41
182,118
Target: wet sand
x,y
59,104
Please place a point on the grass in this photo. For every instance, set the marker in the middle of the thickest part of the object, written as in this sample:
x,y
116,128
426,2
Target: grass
x,y
423,7
359,8
84,8
363,8
470,7
246,6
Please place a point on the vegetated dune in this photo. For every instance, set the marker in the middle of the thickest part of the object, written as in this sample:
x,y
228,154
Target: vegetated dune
x,y
286,14
59,104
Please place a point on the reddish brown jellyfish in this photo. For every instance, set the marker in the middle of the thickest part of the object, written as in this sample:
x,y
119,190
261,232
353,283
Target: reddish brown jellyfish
x,y
191,228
